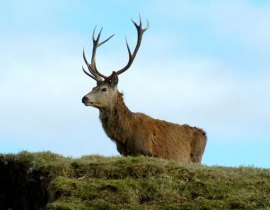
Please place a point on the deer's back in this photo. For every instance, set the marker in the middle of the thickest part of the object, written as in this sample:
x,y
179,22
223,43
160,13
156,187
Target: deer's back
x,y
167,140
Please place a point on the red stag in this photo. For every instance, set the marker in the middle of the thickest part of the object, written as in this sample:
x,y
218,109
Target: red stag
x,y
137,133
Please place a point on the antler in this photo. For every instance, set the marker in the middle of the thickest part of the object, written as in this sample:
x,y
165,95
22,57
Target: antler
x,y
140,31
94,73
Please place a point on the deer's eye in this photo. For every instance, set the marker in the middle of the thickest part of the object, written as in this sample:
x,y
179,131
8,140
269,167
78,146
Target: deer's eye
x,y
104,89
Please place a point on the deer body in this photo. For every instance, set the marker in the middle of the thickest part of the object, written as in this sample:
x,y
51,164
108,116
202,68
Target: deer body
x,y
137,133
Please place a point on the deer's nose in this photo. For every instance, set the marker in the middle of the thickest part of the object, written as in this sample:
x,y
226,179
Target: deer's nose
x,y
84,99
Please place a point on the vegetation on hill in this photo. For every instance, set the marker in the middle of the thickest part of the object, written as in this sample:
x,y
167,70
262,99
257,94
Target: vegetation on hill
x,y
50,181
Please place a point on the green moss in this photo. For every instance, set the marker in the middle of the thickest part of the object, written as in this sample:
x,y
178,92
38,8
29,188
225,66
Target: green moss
x,y
95,182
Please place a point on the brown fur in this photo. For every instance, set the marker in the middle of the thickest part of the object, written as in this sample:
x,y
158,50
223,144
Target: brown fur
x,y
139,134
136,133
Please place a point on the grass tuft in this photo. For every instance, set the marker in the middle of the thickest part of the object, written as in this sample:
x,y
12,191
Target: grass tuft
x,y
50,181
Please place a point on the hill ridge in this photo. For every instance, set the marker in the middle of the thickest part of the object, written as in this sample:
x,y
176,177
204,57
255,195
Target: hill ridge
x,y
50,181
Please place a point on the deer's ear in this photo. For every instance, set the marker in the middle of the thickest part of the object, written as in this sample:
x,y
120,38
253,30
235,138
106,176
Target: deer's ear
x,y
114,80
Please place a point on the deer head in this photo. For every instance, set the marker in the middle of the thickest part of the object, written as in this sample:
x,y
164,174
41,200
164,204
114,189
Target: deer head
x,y
106,90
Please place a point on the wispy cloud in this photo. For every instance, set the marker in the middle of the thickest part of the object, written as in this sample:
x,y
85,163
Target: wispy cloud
x,y
205,64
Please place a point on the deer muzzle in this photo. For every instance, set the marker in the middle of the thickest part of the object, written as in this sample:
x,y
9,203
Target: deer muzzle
x,y
86,101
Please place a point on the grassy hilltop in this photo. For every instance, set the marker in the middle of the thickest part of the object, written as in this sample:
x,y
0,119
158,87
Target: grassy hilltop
x,y
50,181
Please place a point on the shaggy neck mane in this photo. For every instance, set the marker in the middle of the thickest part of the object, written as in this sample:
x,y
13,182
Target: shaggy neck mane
x,y
117,120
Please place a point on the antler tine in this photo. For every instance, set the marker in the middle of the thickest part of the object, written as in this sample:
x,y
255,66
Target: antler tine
x,y
92,67
93,77
93,35
140,31
105,40
147,26
129,51
95,46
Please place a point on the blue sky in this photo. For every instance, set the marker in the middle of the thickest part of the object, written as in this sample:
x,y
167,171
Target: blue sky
x,y
205,63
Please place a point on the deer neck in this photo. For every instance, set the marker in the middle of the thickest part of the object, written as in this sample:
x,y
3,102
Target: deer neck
x,y
117,120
